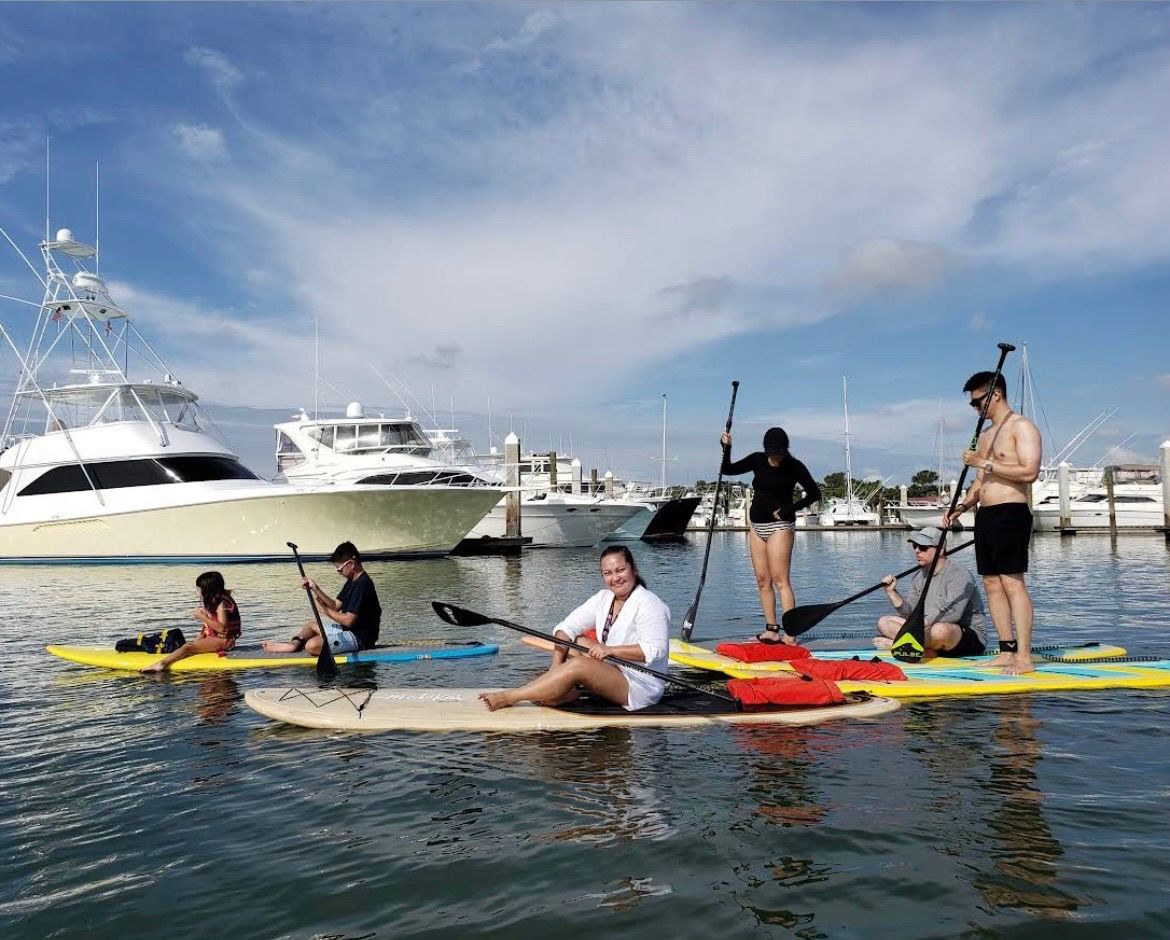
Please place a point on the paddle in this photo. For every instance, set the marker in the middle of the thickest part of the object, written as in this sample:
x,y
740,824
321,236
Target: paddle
x,y
799,620
462,617
693,611
910,644
326,667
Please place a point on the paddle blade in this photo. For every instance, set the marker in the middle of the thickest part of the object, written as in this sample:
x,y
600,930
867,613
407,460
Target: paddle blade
x,y
909,646
459,616
326,664
799,620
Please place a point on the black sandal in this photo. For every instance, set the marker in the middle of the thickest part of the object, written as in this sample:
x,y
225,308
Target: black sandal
x,y
769,628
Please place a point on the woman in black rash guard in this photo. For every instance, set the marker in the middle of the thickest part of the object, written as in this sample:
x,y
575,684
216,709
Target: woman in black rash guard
x,y
773,519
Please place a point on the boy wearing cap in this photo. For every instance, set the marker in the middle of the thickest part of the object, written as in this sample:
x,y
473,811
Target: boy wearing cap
x,y
953,613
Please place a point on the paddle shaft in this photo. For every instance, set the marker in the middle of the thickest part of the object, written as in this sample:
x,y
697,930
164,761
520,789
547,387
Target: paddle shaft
x,y
326,665
812,614
914,628
446,612
693,611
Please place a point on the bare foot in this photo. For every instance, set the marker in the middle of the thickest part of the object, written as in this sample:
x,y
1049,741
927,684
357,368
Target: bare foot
x,y
1003,659
494,700
882,642
788,640
278,646
1022,663
156,667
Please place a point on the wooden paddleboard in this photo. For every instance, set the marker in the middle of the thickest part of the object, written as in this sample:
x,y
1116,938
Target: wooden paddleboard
x,y
105,658
461,710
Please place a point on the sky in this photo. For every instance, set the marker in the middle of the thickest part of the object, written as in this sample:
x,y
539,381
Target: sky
x,y
543,218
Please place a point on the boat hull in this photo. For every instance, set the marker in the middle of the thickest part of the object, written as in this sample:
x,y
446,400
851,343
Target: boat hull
x,y
560,525
382,522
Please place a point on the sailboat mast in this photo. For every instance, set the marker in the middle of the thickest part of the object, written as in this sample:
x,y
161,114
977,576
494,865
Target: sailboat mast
x,y
848,454
664,444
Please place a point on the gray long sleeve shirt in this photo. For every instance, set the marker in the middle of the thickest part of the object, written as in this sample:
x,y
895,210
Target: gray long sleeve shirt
x,y
953,598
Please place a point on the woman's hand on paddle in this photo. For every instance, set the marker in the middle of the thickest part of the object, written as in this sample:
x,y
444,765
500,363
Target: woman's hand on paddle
x,y
725,439
600,651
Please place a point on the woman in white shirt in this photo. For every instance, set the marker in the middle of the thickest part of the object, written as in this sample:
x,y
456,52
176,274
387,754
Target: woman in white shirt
x,y
631,622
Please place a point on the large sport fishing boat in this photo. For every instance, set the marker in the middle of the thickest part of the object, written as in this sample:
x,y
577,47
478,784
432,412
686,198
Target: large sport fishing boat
x,y
98,467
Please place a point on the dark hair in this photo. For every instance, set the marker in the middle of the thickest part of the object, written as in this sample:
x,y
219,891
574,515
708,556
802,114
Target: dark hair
x,y
344,552
983,379
211,589
628,556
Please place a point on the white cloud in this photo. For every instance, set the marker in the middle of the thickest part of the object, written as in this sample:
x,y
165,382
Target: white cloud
x,y
888,266
1164,380
216,66
541,217
200,142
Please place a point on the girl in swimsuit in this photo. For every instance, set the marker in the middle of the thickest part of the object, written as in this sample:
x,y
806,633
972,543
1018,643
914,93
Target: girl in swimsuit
x,y
219,616
773,519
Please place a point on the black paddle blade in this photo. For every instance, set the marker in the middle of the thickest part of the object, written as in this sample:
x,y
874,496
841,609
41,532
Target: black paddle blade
x,y
800,620
459,616
326,664
910,645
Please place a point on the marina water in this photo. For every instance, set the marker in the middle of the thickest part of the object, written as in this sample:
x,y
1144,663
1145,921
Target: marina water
x,y
133,807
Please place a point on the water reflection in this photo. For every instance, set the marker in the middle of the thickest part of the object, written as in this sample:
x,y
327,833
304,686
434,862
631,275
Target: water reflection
x,y
216,698
1026,853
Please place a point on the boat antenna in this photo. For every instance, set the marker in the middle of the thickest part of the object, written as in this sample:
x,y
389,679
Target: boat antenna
x,y
46,190
316,367
97,217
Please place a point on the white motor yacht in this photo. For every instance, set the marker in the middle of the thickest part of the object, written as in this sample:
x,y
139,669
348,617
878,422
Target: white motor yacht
x,y
104,468
1137,503
551,513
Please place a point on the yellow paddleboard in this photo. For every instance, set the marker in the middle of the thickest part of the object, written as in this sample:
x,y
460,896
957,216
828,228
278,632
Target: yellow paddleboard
x,y
699,657
104,658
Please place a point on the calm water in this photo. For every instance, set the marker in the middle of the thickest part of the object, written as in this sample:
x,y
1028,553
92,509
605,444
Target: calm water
x,y
139,807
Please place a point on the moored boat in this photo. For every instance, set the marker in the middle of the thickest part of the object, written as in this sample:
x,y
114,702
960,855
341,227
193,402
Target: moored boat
x,y
106,468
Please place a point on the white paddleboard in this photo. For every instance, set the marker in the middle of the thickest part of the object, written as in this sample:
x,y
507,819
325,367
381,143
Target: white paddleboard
x,y
461,710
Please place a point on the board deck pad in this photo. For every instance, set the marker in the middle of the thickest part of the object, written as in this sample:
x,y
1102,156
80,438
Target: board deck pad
x,y
461,710
105,658
700,657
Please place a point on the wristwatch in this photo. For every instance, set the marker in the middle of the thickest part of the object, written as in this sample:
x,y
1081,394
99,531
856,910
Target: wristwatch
x,y
987,466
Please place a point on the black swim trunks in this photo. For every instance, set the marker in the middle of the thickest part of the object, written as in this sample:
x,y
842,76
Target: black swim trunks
x,y
1002,534
969,645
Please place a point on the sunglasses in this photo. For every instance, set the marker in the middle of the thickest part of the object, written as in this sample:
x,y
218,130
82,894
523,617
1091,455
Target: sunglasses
x,y
978,402
340,568
921,548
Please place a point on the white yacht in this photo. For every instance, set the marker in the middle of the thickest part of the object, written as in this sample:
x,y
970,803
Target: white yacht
x,y
1137,502
551,513
99,467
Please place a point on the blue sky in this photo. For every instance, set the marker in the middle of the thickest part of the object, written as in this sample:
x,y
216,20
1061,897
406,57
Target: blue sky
x,y
569,210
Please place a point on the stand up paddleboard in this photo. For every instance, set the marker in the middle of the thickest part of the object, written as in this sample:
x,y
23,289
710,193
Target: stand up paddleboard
x,y
103,658
699,657
461,710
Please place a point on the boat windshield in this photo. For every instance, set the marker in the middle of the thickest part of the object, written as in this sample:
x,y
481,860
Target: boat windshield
x,y
82,406
370,437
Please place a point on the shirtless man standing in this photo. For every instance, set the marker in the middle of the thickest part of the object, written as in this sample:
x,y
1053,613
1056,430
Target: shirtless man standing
x,y
1007,460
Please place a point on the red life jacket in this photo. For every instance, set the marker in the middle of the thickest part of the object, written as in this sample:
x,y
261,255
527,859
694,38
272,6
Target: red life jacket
x,y
785,690
762,652
838,669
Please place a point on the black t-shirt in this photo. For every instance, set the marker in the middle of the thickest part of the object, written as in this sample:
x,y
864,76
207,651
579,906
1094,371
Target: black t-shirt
x,y
360,597
773,486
